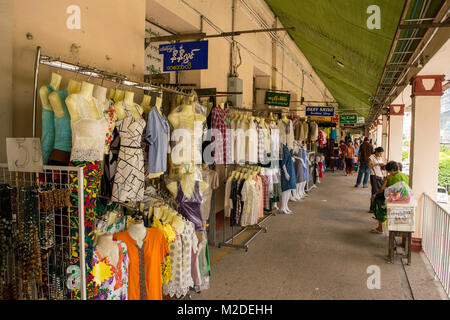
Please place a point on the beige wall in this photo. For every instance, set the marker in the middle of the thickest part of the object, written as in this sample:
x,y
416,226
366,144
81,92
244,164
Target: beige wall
x,y
395,138
111,38
255,49
6,71
424,155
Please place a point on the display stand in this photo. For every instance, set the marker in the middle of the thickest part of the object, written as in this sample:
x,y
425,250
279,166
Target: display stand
x,y
400,222
312,166
60,242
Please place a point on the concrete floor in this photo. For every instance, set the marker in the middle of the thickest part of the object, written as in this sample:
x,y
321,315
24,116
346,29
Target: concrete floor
x,y
323,251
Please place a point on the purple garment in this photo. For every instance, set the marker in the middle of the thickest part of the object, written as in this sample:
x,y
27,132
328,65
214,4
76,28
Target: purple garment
x,y
190,207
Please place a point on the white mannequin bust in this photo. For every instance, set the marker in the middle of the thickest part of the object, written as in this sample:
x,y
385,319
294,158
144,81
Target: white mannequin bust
x,y
107,248
138,232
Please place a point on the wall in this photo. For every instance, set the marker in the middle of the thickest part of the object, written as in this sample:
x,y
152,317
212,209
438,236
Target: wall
x,y
111,38
6,72
255,49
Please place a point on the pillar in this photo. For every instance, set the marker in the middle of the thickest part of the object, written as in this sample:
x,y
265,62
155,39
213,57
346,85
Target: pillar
x,y
384,134
395,138
424,149
379,136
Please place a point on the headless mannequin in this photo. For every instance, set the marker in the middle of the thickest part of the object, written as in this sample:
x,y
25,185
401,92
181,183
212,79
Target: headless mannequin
x,y
55,100
100,94
186,119
146,104
187,182
112,93
138,232
285,119
44,92
128,101
118,95
295,196
108,248
86,93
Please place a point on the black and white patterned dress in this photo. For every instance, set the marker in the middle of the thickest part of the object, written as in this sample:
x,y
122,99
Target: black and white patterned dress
x,y
130,175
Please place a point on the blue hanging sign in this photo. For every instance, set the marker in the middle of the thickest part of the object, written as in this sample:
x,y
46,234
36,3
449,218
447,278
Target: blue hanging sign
x,y
184,56
320,111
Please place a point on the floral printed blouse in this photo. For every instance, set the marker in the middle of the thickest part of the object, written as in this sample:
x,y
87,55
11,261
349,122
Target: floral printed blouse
x,y
110,116
170,235
110,282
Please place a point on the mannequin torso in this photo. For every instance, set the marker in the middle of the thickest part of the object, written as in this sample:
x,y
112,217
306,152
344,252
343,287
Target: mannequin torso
x,y
138,232
107,247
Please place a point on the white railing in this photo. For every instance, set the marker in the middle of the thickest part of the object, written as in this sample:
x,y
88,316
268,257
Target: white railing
x,y
436,239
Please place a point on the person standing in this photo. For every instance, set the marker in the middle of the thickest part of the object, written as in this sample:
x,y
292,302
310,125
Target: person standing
x,y
379,201
342,148
376,163
349,154
365,151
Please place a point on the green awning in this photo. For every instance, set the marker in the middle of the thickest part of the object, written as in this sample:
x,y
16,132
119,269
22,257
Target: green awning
x,y
332,31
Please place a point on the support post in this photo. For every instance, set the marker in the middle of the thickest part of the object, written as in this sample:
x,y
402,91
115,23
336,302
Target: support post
x,y
396,112
424,149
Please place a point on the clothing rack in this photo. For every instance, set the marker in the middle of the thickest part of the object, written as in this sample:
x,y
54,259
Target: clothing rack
x,y
93,72
258,227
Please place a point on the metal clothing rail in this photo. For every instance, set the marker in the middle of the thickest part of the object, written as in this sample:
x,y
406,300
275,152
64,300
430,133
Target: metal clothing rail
x,y
91,72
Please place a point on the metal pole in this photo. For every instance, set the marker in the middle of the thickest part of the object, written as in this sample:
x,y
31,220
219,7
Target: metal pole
x,y
36,73
81,233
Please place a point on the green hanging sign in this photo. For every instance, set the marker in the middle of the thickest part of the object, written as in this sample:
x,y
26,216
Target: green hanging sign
x,y
350,118
278,99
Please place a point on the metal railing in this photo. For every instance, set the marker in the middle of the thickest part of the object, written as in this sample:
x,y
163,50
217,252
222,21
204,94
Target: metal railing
x,y
436,239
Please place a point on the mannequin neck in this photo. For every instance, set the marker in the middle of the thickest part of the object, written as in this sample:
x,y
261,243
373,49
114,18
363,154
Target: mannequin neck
x,y
73,87
100,93
146,100
129,98
105,243
56,81
137,231
188,108
87,89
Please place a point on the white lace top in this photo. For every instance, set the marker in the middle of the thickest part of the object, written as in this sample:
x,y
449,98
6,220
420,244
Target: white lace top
x,y
181,251
88,134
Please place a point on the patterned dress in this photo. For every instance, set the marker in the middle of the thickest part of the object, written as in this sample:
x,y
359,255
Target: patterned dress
x,y
110,282
129,177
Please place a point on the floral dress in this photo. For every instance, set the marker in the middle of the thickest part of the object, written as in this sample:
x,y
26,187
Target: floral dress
x,y
110,282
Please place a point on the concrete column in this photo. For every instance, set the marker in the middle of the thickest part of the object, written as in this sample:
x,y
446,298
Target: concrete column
x,y
379,138
424,149
395,137
384,134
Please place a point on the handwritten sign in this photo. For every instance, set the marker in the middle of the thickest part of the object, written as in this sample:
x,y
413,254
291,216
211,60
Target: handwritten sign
x,y
278,99
184,56
320,111
24,154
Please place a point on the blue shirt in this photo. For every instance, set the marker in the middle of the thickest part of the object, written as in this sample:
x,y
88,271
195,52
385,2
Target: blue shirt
x,y
157,136
63,131
290,184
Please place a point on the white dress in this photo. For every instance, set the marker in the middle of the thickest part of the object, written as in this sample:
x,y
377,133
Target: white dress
x,y
180,258
130,176
88,134
250,197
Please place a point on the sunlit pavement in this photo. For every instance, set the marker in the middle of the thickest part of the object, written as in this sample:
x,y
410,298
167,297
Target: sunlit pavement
x,y
322,251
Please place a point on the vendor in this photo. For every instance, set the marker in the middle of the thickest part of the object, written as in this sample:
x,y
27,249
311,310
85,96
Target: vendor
x,y
379,202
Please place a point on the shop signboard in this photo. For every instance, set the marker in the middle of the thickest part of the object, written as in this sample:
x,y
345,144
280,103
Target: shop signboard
x,y
185,56
320,111
320,119
278,99
348,118
361,120
335,119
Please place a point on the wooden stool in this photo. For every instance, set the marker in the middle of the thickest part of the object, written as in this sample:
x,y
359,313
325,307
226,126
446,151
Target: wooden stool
x,y
406,244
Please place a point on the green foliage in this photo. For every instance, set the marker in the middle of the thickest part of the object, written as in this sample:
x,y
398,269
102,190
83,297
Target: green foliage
x,y
444,166
405,154
405,143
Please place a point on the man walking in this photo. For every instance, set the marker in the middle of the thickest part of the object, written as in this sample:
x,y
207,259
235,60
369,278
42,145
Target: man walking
x,y
365,151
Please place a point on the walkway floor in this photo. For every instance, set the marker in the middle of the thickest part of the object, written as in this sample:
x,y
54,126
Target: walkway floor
x,y
321,252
